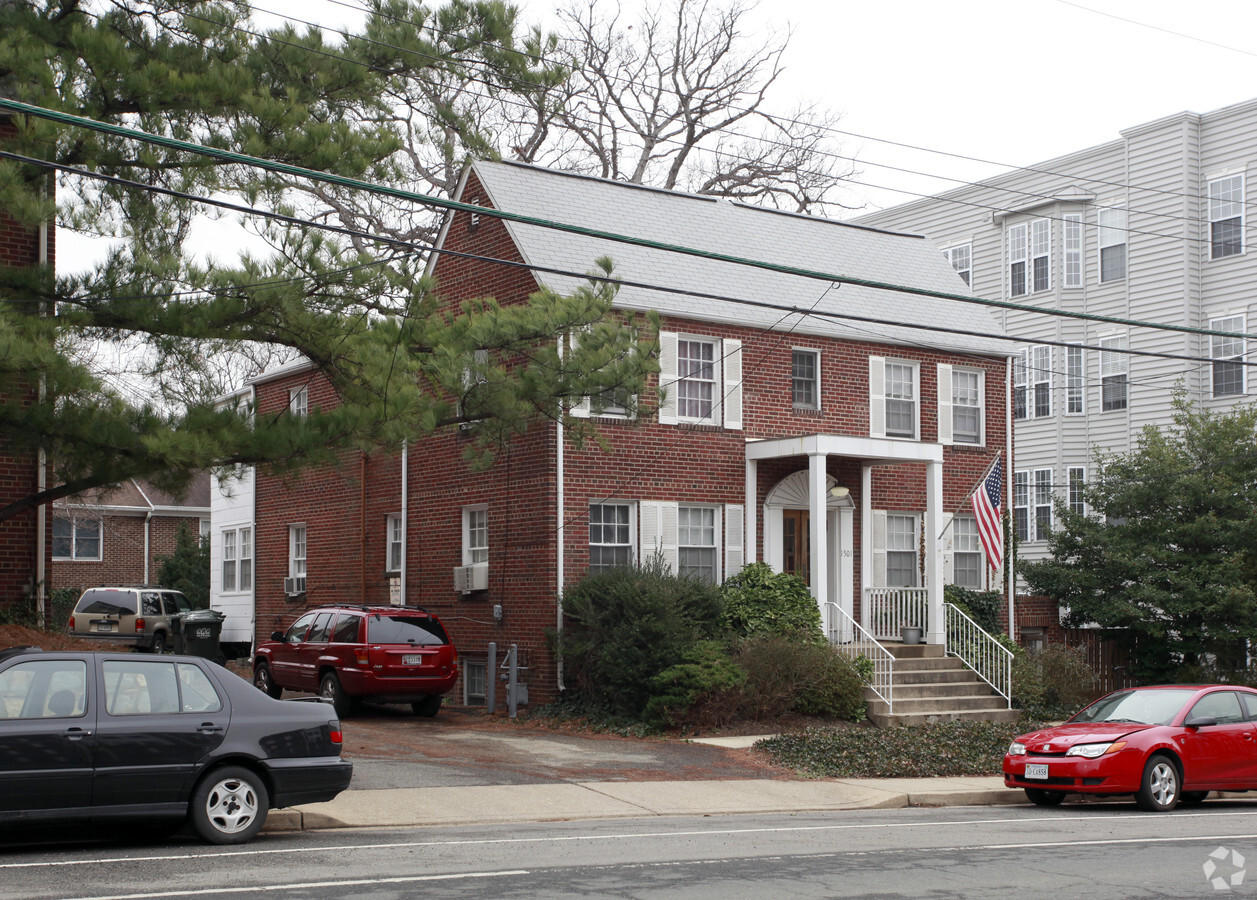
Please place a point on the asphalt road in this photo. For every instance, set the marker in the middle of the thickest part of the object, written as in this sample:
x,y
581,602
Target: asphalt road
x,y
1102,850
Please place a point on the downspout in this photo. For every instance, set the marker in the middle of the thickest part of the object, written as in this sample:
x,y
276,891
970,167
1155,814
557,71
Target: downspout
x,y
401,579
1011,584
560,537
148,518
41,480
362,531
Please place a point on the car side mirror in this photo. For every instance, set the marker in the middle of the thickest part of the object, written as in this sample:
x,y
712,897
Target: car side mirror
x,y
1200,722
277,635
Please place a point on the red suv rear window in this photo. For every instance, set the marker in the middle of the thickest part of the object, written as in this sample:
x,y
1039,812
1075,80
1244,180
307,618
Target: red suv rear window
x,y
419,630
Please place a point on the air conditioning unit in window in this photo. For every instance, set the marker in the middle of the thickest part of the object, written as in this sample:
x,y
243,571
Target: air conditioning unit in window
x,y
295,585
471,578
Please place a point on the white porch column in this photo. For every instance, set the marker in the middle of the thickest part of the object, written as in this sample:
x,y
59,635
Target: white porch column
x,y
866,542
750,512
933,524
819,522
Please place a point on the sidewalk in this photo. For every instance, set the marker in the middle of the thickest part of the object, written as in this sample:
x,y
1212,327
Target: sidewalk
x,y
498,804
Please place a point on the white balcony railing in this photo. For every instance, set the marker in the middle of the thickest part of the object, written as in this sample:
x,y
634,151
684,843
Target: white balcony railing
x,y
891,609
991,660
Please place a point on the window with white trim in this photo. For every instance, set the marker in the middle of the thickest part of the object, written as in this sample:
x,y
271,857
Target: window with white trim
x,y
237,559
1072,256
1021,505
393,543
1041,380
1075,383
1227,354
76,537
961,259
475,534
901,399
1029,257
1040,255
901,551
1077,486
966,408
297,554
967,568
246,558
229,561
1021,386
697,543
475,682
1042,504
805,379
299,401
1111,232
696,379
1226,216
610,536
1113,370
1018,258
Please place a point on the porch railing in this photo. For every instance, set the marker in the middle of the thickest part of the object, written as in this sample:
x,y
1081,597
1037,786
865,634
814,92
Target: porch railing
x,y
852,641
891,609
991,660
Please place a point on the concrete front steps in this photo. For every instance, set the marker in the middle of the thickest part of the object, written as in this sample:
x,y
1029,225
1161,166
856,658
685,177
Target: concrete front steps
x,y
931,687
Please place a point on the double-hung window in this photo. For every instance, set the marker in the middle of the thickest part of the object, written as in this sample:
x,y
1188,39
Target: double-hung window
x,y
229,560
901,399
393,543
1032,383
1113,367
475,535
237,563
1075,384
610,536
1226,216
901,551
1112,239
1021,386
75,537
1029,257
700,379
696,378
1041,255
967,568
297,555
805,378
1021,505
961,259
1077,486
1042,504
1018,258
966,406
1227,354
299,401
1072,227
696,543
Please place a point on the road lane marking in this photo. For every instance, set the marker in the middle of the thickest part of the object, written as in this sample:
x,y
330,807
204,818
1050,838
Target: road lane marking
x,y
306,885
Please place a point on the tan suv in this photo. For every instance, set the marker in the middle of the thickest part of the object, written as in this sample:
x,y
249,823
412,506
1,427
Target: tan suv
x,y
135,616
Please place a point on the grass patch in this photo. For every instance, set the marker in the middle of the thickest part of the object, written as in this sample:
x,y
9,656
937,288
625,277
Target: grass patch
x,y
904,751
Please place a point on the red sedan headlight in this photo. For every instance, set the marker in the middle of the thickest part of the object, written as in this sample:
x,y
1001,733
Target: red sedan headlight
x,y
1095,751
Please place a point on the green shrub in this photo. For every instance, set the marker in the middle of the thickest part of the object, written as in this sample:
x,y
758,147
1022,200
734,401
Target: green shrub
x,y
760,601
786,674
705,689
58,604
984,607
623,627
1052,683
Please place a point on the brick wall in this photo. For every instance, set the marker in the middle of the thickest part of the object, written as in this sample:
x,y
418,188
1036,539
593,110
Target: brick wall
x,y
122,552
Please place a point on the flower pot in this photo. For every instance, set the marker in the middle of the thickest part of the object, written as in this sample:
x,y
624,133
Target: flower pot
x,y
911,634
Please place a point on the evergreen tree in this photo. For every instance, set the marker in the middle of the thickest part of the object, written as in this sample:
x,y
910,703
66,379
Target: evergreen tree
x,y
360,310
187,569
1167,552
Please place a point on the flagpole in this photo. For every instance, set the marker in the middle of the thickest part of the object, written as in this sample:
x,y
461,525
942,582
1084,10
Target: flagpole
x,y
969,496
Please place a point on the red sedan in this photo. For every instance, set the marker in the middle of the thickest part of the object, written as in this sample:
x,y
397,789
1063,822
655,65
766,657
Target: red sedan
x,y
1165,745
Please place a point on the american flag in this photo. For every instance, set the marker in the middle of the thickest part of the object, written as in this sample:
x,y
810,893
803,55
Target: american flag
x,y
986,507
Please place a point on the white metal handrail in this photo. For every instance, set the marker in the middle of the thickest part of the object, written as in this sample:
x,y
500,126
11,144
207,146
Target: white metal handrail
x,y
852,641
991,660
891,609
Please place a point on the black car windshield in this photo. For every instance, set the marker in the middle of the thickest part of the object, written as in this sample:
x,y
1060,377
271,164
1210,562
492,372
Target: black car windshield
x,y
405,630
1154,706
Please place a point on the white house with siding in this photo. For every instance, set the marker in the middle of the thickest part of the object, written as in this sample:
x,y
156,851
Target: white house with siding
x,y
233,554
1151,227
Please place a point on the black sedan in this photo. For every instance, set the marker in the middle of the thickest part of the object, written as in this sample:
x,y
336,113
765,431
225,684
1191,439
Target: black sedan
x,y
88,737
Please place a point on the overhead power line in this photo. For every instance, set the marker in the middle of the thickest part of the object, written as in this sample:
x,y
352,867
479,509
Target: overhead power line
x,y
455,205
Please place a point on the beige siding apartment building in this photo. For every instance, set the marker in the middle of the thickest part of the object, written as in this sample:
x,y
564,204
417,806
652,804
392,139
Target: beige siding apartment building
x,y
1150,227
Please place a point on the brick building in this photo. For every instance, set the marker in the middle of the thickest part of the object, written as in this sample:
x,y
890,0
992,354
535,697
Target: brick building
x,y
121,533
812,425
25,539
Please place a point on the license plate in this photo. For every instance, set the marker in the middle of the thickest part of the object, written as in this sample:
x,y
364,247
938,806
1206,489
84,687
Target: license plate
x,y
104,626
1037,770
410,659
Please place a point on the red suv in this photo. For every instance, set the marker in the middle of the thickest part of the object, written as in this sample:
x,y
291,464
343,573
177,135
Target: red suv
x,y
391,654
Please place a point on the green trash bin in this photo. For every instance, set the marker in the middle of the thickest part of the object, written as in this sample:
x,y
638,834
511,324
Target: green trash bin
x,y
201,629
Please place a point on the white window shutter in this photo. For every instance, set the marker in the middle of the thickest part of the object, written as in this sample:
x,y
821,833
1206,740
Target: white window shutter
x,y
668,377
732,366
949,551
735,553
648,523
668,536
879,548
944,404
877,396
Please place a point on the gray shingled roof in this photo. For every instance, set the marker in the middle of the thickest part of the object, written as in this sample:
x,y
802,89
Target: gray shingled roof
x,y
737,230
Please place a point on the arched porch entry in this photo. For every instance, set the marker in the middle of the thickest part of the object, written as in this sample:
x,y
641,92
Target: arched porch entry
x,y
788,537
